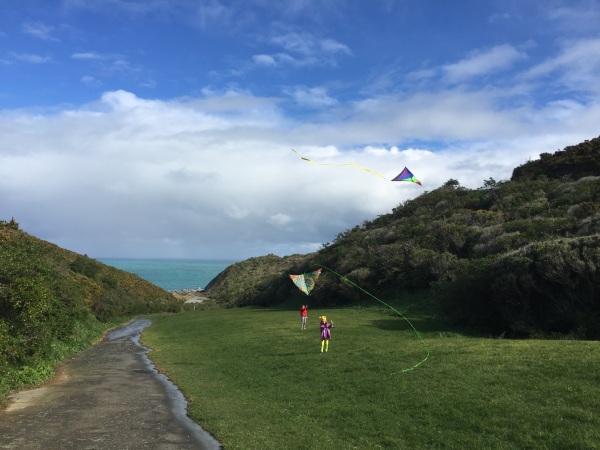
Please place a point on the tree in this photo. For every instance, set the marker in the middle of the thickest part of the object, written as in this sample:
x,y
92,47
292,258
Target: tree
x,y
452,183
489,183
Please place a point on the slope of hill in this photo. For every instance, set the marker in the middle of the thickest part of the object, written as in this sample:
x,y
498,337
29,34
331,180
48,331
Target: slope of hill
x,y
574,162
518,257
53,301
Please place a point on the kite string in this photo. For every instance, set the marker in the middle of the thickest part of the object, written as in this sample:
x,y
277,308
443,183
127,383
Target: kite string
x,y
345,164
393,309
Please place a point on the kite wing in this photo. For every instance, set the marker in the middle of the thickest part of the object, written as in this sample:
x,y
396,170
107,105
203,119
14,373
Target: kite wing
x,y
346,164
306,281
406,175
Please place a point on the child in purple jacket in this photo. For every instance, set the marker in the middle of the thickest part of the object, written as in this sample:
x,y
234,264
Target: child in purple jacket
x,y
325,333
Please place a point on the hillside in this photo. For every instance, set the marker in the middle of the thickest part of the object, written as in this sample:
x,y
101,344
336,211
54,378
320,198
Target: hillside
x,y
254,281
574,162
516,258
54,301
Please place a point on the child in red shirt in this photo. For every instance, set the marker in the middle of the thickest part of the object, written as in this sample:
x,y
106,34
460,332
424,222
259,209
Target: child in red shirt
x,y
303,316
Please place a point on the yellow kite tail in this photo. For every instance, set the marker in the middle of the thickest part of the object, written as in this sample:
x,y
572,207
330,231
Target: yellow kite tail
x,y
347,164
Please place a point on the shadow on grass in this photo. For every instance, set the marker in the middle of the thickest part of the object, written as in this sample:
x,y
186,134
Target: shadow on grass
x,y
421,308
425,325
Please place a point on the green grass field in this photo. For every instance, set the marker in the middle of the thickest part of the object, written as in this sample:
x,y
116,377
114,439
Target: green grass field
x,y
256,381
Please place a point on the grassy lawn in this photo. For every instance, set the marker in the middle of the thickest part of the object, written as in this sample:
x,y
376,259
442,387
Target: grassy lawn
x,y
256,381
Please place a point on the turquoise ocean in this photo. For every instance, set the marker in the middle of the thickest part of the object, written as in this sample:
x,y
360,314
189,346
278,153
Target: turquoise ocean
x,y
172,274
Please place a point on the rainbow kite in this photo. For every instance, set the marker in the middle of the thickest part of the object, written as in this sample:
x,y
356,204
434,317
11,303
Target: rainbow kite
x,y
306,281
406,175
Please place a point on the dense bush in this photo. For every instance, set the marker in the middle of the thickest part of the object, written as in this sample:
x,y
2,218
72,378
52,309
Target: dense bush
x,y
52,300
548,286
575,162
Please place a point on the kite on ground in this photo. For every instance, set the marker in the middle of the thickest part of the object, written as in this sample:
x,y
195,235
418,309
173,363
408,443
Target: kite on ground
x,y
405,175
306,281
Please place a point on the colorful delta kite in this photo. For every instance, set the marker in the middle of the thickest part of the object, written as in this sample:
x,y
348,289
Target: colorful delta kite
x,y
306,281
406,175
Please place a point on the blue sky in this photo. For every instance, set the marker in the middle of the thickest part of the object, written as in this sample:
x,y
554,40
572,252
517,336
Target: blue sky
x,y
164,128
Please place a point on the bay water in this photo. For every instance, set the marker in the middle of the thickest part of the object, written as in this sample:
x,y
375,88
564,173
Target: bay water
x,y
172,274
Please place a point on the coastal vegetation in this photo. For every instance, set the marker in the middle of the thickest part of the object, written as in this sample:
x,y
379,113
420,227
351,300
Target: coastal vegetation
x,y
513,258
54,302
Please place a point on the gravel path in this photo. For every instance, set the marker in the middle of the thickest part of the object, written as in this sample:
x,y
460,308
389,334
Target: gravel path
x,y
107,397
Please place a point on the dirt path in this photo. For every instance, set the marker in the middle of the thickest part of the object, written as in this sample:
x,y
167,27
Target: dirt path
x,y
107,397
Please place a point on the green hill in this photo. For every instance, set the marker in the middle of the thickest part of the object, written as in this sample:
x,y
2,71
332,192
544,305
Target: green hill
x,y
513,258
574,162
54,302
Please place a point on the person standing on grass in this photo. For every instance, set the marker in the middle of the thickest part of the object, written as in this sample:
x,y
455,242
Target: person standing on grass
x,y
325,333
303,316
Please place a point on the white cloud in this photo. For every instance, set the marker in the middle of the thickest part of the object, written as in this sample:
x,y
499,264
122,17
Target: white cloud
x,y
302,43
332,46
305,49
129,6
39,31
577,17
315,97
500,17
280,219
576,66
216,177
212,12
88,56
89,80
111,65
480,63
278,60
31,58
264,60
237,212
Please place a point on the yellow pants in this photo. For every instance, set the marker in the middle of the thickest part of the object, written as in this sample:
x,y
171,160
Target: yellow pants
x,y
325,343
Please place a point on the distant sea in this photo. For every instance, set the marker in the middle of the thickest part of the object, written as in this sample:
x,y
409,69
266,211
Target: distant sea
x,y
172,274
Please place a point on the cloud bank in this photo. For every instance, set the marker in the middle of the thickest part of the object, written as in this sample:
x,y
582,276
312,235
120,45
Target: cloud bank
x,y
215,176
